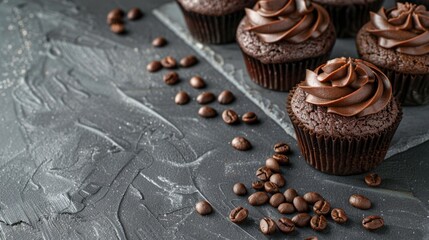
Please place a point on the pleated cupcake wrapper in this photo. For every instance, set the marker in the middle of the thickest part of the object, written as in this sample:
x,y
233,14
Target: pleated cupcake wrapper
x,y
342,155
212,29
280,76
349,18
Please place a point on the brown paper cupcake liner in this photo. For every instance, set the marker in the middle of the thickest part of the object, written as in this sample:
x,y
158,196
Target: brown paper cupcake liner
x,y
342,155
280,76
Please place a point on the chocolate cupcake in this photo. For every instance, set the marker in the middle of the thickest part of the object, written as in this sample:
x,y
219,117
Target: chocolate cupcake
x,y
418,2
280,39
213,21
397,41
349,16
344,116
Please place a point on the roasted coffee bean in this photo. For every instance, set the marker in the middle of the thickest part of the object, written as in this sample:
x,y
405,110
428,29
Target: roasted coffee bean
x,y
238,215
285,225
360,201
225,97
300,204
281,158
182,98
258,185
301,219
171,78
322,207
117,28
159,42
169,62
239,189
278,179
258,198
286,208
230,117
188,61
318,223
267,226
154,66
241,144
311,238
197,82
338,215
207,112
290,194
272,164
373,222
206,97
281,148
203,208
250,118
134,14
270,187
312,197
373,180
264,173
277,199
115,16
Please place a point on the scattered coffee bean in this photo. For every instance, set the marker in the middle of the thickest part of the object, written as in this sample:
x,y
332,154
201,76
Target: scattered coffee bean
x,y
115,16
301,219
206,97
312,197
117,28
182,98
281,148
239,189
311,238
271,187
238,215
134,14
249,118
154,66
188,61
197,82
241,144
159,42
264,173
169,62
225,97
300,204
286,208
277,199
258,198
318,223
203,208
171,78
281,158
278,179
290,194
338,215
373,222
229,116
322,207
258,185
373,180
360,201
207,112
285,225
267,226
272,164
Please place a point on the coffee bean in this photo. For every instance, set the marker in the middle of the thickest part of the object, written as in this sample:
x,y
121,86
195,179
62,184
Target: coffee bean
x,y
159,42
206,97
258,198
373,222
229,116
203,208
272,164
249,118
286,208
182,98
258,185
278,179
373,180
197,82
267,226
338,215
276,199
281,148
318,223
207,112
241,144
115,16
290,194
154,66
271,187
171,78
169,62
285,225
225,97
117,28
301,219
322,207
188,61
134,14
238,215
281,158
311,238
239,189
360,201
312,197
300,204
263,173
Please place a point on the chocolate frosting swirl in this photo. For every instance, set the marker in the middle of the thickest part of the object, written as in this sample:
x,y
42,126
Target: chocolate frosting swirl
x,y
348,87
404,28
292,20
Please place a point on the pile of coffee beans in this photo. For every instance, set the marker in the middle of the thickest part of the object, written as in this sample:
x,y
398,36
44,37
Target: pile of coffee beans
x,y
115,19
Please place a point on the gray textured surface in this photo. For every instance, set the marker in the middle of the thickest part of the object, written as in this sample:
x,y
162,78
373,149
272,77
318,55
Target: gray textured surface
x,y
92,147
